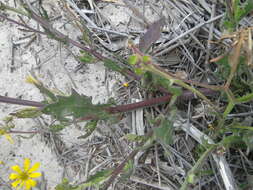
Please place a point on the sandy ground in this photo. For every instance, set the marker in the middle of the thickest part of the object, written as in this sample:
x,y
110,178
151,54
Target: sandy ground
x,y
54,66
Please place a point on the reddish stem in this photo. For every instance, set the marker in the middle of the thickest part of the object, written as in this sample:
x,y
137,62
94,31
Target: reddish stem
x,y
16,101
187,95
142,104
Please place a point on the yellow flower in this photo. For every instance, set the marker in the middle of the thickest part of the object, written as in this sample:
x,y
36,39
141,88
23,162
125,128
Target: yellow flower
x,y
24,178
126,84
7,135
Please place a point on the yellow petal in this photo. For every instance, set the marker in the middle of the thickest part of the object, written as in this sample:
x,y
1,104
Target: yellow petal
x,y
9,138
17,169
27,185
13,176
30,183
34,175
26,164
15,183
1,162
21,185
34,167
33,183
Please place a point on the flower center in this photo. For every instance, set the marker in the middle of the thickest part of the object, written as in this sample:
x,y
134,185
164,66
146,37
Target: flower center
x,y
24,176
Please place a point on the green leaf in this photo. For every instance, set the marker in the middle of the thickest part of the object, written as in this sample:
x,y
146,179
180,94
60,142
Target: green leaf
x,y
86,58
65,186
127,171
243,10
139,71
245,98
146,59
223,68
97,179
89,128
112,65
229,108
237,13
135,138
27,113
164,132
86,35
232,141
75,106
57,127
156,80
205,172
248,139
191,178
8,119
133,59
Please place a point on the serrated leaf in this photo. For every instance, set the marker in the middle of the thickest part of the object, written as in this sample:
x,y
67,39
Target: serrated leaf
x,y
97,179
27,113
156,80
164,132
152,35
75,106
